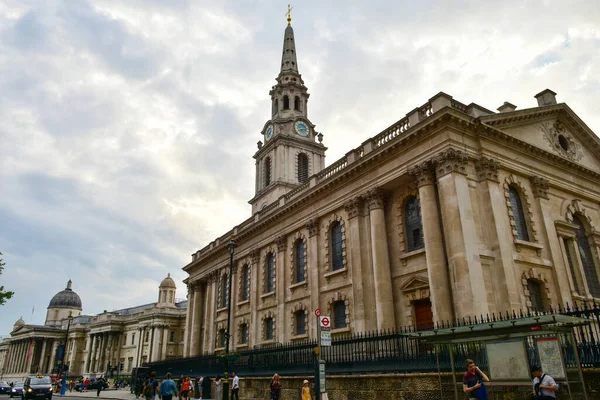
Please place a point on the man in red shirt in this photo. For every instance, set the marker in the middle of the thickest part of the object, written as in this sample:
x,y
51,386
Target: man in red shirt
x,y
473,382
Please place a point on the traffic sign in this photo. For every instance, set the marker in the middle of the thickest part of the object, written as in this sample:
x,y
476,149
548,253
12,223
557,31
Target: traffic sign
x,y
318,312
324,321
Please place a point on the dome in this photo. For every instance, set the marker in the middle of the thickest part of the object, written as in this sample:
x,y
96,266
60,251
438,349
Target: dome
x,y
66,299
20,322
168,282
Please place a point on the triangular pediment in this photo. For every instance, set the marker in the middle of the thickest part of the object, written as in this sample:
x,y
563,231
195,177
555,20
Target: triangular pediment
x,y
414,283
555,129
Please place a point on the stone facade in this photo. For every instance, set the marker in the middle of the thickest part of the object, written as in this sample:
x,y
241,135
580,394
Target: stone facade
x,y
451,212
131,336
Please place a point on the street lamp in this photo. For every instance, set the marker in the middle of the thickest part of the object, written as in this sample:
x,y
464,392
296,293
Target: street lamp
x,y
63,387
231,246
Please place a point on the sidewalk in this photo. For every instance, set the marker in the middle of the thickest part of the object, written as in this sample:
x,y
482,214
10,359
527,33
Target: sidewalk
x,y
118,394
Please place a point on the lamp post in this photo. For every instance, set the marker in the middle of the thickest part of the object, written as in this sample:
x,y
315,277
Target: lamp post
x,y
63,386
231,246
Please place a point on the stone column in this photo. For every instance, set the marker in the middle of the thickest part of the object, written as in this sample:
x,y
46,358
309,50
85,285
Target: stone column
x,y
437,266
312,252
139,347
16,356
40,367
462,244
118,349
73,355
211,298
188,321
353,208
93,360
156,333
165,342
198,317
29,356
281,268
53,344
9,357
88,348
386,318
540,192
254,295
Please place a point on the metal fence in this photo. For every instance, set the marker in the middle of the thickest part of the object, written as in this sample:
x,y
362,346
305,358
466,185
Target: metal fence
x,y
390,351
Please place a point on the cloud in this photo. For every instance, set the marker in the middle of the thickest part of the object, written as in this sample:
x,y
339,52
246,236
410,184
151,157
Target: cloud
x,y
128,128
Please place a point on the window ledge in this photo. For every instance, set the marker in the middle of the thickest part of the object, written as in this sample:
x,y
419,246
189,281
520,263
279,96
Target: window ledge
x,y
344,271
243,302
220,348
295,286
269,341
411,254
264,296
299,337
341,330
520,244
242,346
220,310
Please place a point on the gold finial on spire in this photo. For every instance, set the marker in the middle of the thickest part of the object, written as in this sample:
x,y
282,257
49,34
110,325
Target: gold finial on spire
x,y
289,15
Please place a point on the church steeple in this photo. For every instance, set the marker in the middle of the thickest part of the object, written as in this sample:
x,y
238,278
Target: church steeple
x,y
289,154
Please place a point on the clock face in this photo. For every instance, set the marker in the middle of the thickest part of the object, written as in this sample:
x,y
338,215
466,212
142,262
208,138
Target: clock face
x,y
269,132
301,128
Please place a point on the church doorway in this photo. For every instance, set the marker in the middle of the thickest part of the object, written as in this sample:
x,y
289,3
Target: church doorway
x,y
423,314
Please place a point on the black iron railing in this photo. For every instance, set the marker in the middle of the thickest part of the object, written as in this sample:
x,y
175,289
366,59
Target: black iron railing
x,y
391,351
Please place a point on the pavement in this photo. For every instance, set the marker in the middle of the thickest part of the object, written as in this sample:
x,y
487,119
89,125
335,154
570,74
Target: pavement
x,y
117,394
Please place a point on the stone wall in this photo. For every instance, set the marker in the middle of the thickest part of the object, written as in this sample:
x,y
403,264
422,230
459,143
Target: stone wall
x,y
400,387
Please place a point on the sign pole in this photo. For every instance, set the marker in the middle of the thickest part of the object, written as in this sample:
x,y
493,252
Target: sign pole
x,y
318,352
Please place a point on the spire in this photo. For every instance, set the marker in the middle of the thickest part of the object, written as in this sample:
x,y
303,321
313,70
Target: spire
x,y
288,59
69,285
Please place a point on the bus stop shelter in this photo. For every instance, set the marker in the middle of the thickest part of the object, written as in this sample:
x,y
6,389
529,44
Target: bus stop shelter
x,y
506,347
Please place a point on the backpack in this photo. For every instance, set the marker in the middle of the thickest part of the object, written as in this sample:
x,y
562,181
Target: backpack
x,y
149,389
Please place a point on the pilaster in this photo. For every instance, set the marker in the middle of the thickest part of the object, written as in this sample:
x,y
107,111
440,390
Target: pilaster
x,y
165,343
280,280
312,252
254,285
188,321
353,208
42,357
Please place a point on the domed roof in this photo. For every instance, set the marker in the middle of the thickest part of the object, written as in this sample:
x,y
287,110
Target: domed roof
x,y
20,322
66,299
168,282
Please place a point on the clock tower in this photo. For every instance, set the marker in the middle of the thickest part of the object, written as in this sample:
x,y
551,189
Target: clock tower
x,y
290,150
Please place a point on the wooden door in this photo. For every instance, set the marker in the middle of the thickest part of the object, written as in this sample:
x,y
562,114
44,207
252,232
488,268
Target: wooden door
x,y
423,314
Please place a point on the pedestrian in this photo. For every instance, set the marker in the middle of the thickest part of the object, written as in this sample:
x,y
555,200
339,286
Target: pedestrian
x,y
235,387
473,382
167,388
185,388
86,383
150,387
199,387
179,383
138,386
305,390
544,386
218,387
100,382
275,387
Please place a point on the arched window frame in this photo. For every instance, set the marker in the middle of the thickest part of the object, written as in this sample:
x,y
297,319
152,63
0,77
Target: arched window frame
x,y
413,229
293,254
302,167
295,314
268,171
223,291
518,214
339,298
286,102
527,211
535,291
539,276
269,316
275,106
244,281
587,256
269,272
243,337
329,248
221,338
297,103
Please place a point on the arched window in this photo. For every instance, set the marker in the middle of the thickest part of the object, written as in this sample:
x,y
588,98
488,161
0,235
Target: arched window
x,y
414,226
300,321
275,106
337,261
587,260
572,267
245,292
221,337
224,289
339,314
286,102
535,295
269,329
270,284
297,103
267,171
244,334
302,167
518,213
300,261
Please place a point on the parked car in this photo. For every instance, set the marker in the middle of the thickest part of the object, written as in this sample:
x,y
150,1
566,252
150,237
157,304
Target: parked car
x,y
4,388
94,384
37,387
17,390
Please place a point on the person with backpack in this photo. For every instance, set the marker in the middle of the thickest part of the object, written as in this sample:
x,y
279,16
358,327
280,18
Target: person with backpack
x,y
150,387
544,386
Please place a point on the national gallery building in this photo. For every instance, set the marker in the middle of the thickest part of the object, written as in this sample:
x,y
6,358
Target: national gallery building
x,y
131,336
453,211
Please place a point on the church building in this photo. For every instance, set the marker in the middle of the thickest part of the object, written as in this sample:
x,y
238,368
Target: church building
x,y
453,211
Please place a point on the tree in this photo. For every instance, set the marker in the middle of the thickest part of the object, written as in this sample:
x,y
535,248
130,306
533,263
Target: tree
x,y
4,295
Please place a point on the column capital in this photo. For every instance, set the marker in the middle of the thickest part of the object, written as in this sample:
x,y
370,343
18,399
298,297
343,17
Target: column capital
x,y
487,169
313,227
281,241
213,277
353,206
375,198
254,256
540,187
423,173
449,161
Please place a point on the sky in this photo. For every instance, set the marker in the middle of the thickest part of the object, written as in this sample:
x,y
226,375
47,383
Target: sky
x,y
127,128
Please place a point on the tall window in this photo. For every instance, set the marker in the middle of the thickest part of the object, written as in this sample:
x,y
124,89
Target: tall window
x,y
270,284
297,103
269,329
221,337
518,213
286,103
224,291
146,336
302,167
267,171
535,294
572,267
275,106
414,227
133,338
300,261
172,336
300,317
587,260
339,314
244,334
245,282
337,261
